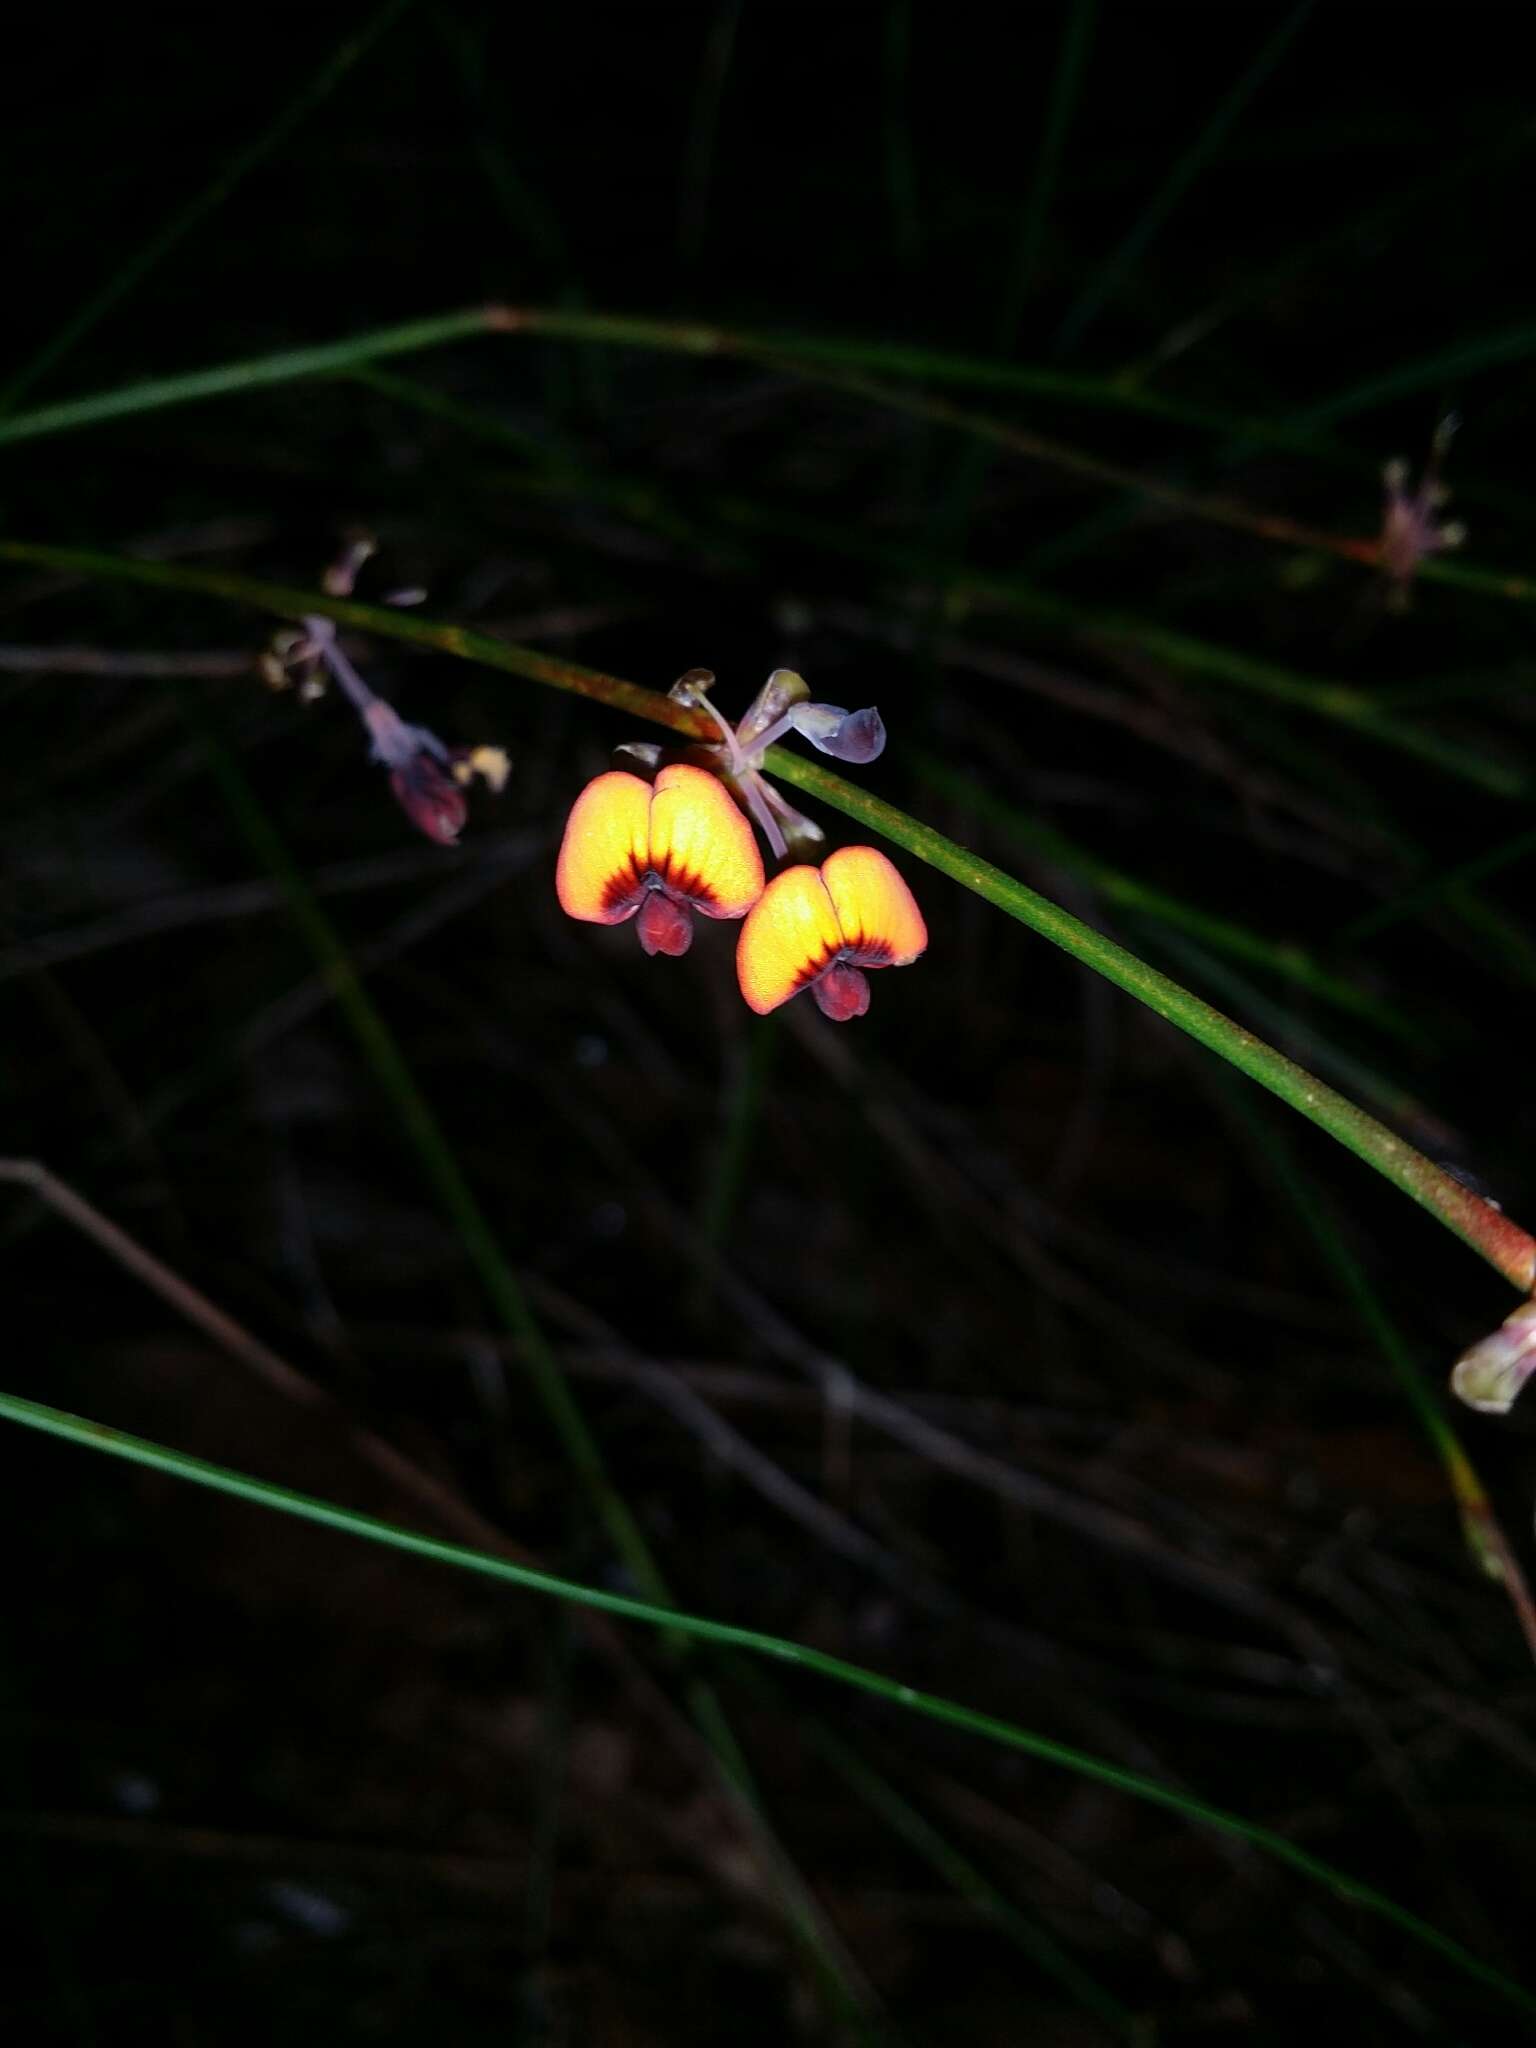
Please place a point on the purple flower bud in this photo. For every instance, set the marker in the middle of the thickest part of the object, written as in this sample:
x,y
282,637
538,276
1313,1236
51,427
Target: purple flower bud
x,y
430,797
856,736
1491,1374
768,711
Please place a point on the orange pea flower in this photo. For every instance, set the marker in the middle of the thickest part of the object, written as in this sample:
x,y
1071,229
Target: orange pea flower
x,y
663,850
821,927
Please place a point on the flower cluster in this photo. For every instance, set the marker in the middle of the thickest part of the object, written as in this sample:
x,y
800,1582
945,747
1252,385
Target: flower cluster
x,y
662,850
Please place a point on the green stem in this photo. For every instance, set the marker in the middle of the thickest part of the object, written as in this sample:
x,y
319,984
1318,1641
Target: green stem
x,y
1484,1534
382,1051
1501,1241
968,1882
1108,279
1340,703
1071,60
324,359
1437,888
1293,963
326,1514
743,1106
569,323
811,360
1443,369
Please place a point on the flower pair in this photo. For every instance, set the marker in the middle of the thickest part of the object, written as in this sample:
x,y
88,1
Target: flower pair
x,y
659,852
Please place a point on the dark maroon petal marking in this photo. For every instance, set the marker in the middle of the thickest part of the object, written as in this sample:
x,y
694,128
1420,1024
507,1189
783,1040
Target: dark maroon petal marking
x,y
623,890
814,972
689,887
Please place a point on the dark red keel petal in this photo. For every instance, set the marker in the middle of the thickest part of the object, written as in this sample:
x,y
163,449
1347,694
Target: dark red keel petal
x,y
430,798
842,992
664,925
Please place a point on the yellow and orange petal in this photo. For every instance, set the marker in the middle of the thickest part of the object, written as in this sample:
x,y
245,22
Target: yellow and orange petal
x,y
606,850
881,923
685,829
790,936
700,844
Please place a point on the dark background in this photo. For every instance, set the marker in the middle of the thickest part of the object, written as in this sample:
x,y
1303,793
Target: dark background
x,y
266,1782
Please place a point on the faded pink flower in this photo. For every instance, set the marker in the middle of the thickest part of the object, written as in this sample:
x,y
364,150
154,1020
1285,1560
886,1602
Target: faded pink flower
x,y
1411,527
780,707
1490,1375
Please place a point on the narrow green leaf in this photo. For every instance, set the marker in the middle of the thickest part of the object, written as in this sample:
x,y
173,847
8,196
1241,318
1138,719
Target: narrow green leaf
x,y
287,366
328,1515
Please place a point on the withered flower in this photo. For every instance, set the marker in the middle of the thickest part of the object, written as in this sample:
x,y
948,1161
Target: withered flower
x,y
429,779
1411,526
